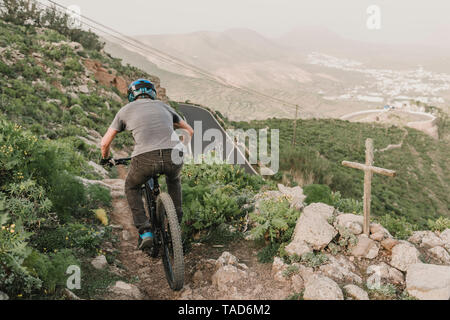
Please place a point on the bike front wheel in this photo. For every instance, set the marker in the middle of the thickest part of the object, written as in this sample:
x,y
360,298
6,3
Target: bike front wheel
x,y
171,241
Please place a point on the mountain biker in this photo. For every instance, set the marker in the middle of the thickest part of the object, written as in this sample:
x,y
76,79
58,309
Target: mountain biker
x,y
152,123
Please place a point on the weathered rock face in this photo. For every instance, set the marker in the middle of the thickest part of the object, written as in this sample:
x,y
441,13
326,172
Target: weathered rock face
x,y
366,247
108,77
355,292
440,254
404,255
126,291
322,288
313,228
428,281
352,222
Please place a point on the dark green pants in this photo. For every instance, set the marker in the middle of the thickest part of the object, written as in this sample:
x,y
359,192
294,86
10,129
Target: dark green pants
x,y
142,168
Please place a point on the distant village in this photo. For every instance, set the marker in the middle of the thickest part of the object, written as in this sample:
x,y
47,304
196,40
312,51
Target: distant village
x,y
405,89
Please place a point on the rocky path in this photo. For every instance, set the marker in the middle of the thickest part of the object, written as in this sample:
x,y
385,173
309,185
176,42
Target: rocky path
x,y
333,260
238,261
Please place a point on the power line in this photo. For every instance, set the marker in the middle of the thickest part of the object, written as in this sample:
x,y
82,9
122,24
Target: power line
x,y
173,60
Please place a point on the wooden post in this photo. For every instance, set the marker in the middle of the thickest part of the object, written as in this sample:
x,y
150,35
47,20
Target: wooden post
x,y
295,126
368,169
368,185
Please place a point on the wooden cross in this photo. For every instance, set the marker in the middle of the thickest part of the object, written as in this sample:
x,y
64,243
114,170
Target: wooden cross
x,y
369,169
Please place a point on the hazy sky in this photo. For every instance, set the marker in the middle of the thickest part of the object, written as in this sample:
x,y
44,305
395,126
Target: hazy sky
x,y
402,21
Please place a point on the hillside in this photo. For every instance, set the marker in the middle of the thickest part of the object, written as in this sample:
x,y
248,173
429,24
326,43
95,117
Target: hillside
x,y
59,93
58,209
419,192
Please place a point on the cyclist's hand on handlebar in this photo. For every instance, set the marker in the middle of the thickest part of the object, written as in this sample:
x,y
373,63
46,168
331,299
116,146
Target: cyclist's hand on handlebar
x,y
107,162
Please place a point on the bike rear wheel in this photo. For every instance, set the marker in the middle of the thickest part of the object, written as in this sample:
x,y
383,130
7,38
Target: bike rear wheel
x,y
171,241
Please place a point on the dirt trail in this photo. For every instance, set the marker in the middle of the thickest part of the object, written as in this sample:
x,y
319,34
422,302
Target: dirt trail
x,y
151,278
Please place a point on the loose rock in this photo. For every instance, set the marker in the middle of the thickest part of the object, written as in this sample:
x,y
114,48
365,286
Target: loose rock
x,y
352,222
226,275
126,291
440,254
428,281
356,292
99,262
322,288
445,237
404,255
3,296
383,273
366,248
313,228
340,269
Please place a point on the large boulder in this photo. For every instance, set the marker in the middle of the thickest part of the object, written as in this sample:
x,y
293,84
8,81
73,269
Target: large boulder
x,y
294,195
340,269
365,248
355,292
382,273
440,254
352,222
445,237
403,255
428,281
426,239
313,228
319,287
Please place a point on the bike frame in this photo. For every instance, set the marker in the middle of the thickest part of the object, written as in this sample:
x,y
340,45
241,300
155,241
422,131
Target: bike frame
x,y
151,191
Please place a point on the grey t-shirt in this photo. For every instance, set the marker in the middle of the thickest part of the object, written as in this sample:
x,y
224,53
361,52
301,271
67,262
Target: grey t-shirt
x,y
151,123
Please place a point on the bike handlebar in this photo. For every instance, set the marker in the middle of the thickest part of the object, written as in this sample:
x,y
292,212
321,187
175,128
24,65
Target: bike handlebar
x,y
116,162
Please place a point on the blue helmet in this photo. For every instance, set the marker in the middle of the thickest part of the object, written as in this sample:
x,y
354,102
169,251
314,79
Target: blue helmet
x,y
141,87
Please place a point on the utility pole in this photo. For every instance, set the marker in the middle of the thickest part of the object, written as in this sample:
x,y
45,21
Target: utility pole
x,y
295,125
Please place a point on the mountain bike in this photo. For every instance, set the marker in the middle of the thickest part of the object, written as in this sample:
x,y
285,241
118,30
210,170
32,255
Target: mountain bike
x,y
165,228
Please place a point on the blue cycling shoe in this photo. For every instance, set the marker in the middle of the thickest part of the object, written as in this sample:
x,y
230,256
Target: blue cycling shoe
x,y
145,240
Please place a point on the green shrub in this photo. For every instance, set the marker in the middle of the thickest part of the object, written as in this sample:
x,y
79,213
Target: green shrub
x,y
215,194
71,236
51,268
399,227
13,251
346,205
267,254
313,260
98,196
439,224
275,221
68,196
318,193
